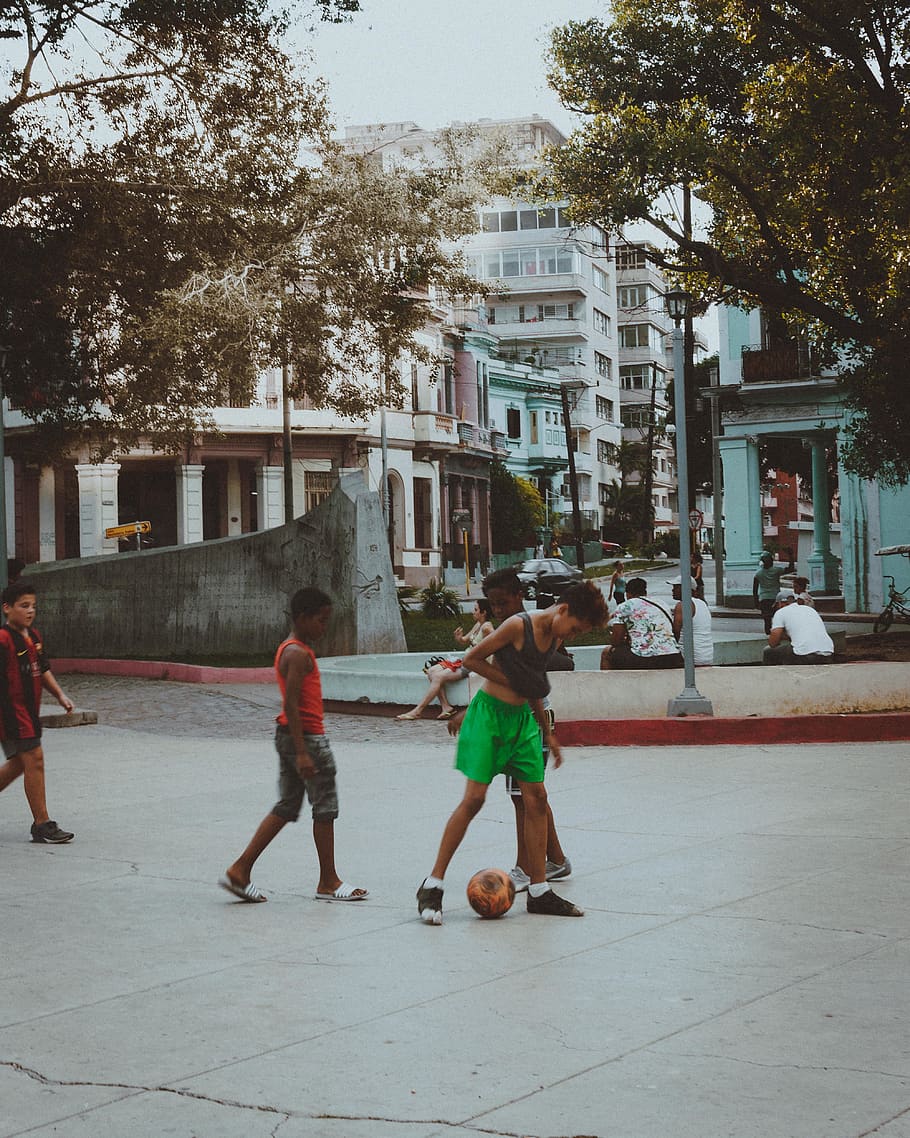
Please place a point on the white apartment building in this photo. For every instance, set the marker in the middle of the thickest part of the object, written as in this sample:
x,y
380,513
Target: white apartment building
x,y
552,296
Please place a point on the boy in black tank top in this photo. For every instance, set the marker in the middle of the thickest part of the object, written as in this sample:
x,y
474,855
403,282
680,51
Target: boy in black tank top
x,y
500,735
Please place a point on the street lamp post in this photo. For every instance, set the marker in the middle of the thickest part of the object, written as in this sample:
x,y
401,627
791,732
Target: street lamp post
x,y
690,701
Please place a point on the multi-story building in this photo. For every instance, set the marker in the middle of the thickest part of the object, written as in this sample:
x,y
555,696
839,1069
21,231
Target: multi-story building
x,y
551,302
645,366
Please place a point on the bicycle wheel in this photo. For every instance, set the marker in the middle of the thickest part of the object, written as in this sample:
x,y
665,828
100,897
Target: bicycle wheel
x,y
883,621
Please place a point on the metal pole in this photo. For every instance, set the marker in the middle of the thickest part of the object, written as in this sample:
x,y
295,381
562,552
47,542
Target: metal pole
x,y
384,488
717,478
288,446
690,701
573,479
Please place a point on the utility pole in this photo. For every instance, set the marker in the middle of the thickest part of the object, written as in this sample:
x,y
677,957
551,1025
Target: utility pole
x,y
288,444
647,533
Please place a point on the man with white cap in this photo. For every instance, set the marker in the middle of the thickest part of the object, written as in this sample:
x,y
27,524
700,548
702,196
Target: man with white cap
x,y
797,634
702,641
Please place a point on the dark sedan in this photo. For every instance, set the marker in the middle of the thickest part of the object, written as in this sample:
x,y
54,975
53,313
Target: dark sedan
x,y
547,575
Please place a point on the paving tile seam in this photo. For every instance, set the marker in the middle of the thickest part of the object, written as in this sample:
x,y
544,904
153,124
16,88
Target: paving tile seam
x,y
884,1122
740,1061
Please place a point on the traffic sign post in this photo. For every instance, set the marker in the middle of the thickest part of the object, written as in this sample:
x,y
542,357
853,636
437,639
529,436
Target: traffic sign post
x,y
129,529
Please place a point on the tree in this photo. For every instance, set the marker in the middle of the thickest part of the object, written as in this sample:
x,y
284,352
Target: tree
x,y
175,218
516,510
789,121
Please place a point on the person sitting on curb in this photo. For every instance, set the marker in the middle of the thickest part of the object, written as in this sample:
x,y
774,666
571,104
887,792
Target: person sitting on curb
x,y
641,633
702,641
450,671
809,643
766,584
801,588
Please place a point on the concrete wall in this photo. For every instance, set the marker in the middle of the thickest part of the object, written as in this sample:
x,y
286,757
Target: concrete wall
x,y
230,596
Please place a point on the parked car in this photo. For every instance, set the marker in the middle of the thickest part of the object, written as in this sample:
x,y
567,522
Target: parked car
x,y
611,549
547,575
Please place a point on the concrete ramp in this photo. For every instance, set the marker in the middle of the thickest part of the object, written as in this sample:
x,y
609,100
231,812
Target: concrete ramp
x,y
229,597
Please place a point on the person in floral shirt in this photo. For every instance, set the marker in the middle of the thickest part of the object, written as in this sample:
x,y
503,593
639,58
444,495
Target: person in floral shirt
x,y
641,633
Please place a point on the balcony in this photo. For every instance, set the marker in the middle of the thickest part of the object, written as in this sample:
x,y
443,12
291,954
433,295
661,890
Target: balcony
x,y
783,363
435,431
540,329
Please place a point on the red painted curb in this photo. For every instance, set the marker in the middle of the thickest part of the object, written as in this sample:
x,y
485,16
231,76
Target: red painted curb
x,y
695,731
165,670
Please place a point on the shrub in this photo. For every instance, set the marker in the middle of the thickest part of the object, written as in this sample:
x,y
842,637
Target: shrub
x,y
436,600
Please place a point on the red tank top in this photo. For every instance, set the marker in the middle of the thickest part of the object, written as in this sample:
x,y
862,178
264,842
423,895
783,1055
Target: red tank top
x,y
310,704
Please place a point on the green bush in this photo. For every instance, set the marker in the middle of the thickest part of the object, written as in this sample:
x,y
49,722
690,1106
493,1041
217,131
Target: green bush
x,y
436,600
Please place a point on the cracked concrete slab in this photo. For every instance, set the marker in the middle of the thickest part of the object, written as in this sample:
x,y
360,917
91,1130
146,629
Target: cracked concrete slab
x,y
741,968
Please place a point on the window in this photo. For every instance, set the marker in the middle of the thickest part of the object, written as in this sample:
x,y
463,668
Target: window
x,y
534,432
635,417
448,387
601,322
606,452
639,336
513,422
638,377
423,513
483,395
630,257
603,365
415,391
508,221
605,408
526,262
634,296
317,485
600,278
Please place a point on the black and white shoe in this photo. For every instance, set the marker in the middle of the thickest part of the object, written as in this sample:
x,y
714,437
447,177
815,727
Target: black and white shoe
x,y
429,904
51,833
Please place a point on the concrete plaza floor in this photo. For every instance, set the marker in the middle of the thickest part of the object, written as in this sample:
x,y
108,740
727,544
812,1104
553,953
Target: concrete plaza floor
x,y
743,967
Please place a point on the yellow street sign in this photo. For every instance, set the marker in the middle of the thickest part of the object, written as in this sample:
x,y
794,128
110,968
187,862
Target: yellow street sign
x,y
130,529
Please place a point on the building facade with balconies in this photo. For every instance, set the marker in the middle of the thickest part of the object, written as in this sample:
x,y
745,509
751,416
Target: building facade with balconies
x,y
774,388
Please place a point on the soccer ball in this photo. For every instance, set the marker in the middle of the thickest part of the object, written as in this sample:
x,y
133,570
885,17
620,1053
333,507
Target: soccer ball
x,y
491,893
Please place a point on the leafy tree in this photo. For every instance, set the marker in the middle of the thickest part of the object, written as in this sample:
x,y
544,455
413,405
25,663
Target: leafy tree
x,y
516,510
789,120
164,235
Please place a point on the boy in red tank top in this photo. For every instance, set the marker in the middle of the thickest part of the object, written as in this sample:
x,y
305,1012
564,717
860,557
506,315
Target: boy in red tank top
x,y
24,674
306,763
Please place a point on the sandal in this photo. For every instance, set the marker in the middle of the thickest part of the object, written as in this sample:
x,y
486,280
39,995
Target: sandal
x,y
408,716
447,714
247,892
344,892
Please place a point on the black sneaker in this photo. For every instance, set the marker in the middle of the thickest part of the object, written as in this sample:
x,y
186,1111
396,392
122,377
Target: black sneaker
x,y
51,833
429,904
550,905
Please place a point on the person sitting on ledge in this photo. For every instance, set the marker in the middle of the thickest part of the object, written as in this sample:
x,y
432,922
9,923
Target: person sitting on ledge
x,y
641,633
807,642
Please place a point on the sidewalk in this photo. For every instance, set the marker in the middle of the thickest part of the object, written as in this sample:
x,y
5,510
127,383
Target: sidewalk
x,y
741,968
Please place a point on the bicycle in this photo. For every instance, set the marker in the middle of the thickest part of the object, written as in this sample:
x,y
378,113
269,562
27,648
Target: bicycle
x,y
897,606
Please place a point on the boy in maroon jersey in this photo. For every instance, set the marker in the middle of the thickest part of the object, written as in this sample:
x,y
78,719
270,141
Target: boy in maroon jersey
x,y
24,672
306,763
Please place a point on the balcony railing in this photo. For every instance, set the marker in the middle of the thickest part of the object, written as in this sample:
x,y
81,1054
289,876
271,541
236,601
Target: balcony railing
x,y
784,363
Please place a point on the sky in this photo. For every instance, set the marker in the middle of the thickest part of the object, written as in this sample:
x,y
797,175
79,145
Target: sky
x,y
435,62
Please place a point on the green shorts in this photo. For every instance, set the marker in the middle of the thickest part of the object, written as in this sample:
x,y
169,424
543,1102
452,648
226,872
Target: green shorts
x,y
499,738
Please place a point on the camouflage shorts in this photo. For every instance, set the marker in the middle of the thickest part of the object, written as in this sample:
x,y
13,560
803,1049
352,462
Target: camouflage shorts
x,y
321,789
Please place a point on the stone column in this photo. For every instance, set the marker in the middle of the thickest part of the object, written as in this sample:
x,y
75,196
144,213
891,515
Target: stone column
x,y
270,489
47,515
97,507
743,536
823,565
234,498
189,503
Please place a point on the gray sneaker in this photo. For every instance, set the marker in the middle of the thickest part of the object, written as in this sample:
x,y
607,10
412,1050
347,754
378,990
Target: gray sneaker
x,y
520,879
50,833
556,872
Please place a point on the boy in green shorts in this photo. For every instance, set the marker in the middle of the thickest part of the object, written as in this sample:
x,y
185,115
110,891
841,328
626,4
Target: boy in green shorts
x,y
500,735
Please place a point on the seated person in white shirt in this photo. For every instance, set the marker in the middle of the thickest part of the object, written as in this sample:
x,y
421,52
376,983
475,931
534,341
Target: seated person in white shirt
x,y
797,635
702,641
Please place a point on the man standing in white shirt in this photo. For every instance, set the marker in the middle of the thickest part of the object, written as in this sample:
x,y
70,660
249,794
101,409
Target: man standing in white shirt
x,y
804,630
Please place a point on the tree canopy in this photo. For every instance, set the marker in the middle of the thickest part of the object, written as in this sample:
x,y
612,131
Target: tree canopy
x,y
789,121
174,217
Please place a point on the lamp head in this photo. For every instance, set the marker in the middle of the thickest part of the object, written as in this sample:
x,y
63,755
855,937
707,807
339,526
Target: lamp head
x,y
677,303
